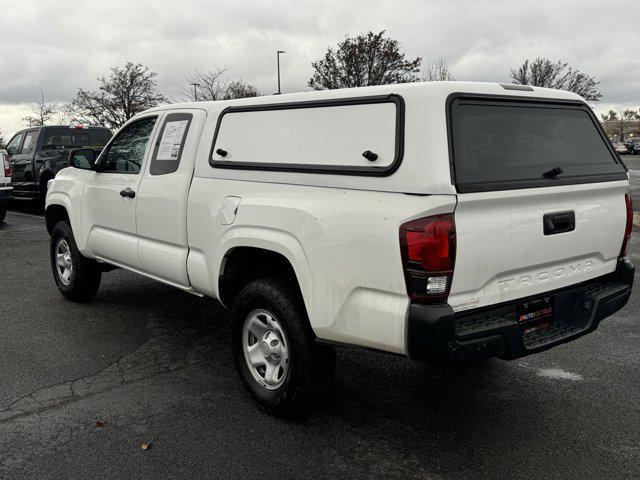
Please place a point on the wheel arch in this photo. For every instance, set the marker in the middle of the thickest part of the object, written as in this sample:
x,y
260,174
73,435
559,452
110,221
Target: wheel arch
x,y
241,265
45,174
246,258
58,208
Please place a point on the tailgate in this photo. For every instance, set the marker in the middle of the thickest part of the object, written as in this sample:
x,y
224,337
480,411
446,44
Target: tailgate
x,y
504,254
5,169
541,201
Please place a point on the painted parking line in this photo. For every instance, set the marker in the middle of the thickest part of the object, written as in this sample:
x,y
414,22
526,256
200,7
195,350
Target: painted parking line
x,y
559,374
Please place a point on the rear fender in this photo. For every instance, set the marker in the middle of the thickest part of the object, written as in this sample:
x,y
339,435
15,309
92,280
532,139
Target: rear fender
x,y
273,240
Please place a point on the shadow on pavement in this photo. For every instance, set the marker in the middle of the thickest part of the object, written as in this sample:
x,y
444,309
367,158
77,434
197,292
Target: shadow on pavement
x,y
31,207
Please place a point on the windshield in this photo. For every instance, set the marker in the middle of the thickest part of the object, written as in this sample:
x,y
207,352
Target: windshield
x,y
500,145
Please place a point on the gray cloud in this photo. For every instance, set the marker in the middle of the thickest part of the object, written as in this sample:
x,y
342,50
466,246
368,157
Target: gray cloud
x,y
60,46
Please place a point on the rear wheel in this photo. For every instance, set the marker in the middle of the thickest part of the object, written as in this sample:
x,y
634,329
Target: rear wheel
x,y
3,211
77,277
278,359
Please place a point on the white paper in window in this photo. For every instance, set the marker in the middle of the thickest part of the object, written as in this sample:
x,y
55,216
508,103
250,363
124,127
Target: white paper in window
x,y
171,140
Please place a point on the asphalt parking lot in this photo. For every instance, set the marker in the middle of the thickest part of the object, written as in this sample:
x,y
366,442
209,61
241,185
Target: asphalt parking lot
x,y
83,386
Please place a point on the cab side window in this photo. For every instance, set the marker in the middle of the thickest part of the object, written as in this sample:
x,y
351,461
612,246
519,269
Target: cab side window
x,y
29,144
14,144
126,153
170,144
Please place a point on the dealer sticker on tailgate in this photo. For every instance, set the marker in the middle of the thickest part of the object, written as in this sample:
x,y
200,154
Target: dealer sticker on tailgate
x,y
535,315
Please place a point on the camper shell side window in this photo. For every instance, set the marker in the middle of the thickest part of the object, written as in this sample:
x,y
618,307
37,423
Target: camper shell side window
x,y
352,136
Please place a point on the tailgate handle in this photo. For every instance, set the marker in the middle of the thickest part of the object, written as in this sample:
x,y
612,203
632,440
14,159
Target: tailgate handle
x,y
559,222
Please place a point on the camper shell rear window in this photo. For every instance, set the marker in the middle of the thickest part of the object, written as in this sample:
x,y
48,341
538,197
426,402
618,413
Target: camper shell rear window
x,y
357,136
498,144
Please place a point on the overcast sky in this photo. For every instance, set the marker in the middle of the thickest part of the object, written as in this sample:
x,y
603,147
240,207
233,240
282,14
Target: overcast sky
x,y
61,45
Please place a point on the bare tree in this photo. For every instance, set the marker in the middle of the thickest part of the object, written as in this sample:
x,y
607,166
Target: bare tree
x,y
631,114
212,85
367,59
437,71
610,116
127,91
542,72
618,122
240,89
42,111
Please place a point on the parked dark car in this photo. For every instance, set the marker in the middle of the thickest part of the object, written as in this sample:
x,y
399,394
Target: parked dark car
x,y
633,145
38,154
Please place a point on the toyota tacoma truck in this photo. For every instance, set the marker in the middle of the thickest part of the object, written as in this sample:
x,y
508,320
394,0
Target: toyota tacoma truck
x,y
37,154
444,221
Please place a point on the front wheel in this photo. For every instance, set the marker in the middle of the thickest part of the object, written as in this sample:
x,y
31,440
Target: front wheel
x,y
279,361
77,277
42,191
3,211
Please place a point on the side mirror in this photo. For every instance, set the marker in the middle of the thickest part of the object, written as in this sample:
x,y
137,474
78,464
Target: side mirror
x,y
83,158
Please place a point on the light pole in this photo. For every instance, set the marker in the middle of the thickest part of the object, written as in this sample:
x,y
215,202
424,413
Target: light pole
x,y
278,56
195,91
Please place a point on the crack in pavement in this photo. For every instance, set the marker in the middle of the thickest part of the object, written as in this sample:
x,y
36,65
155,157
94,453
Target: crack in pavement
x,y
172,346
175,342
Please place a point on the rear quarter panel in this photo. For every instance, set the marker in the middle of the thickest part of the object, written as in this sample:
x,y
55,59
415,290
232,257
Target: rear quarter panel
x,y
342,244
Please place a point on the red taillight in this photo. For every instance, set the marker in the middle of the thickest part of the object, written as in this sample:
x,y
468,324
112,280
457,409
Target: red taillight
x,y
628,227
7,165
428,248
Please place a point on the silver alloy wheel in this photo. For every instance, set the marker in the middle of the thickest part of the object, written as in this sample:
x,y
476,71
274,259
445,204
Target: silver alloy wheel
x,y
64,262
266,349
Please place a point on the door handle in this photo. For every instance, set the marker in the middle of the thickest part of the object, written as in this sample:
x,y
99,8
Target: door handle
x,y
127,192
559,222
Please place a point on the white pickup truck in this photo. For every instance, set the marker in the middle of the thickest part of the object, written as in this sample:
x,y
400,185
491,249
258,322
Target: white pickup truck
x,y
443,221
6,190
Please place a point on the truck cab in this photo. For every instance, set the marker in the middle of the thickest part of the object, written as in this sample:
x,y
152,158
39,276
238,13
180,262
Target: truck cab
x,y
445,221
37,154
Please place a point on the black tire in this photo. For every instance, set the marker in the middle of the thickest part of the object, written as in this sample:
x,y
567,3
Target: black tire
x,y
85,275
3,211
42,193
311,365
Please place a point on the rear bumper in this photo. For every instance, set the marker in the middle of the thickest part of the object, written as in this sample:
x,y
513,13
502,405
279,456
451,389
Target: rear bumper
x,y
436,333
6,193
